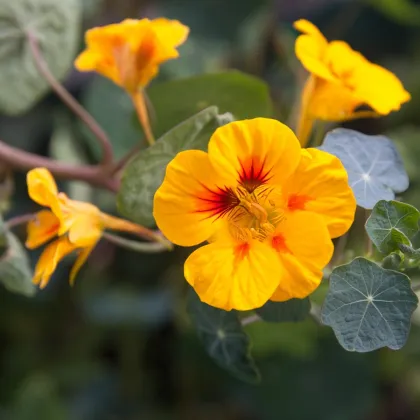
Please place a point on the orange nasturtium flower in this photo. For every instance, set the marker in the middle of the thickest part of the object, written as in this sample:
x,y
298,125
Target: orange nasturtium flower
x,y
77,225
341,81
130,53
267,208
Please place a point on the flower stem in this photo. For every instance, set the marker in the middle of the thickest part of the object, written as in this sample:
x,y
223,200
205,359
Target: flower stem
x,y
107,153
368,242
146,247
20,159
250,320
141,109
305,121
319,134
122,162
19,220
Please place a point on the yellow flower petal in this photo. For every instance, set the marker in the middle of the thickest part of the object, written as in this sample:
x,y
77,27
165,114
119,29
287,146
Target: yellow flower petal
x,y
345,81
369,84
49,259
310,49
190,198
42,189
332,102
231,275
304,248
83,223
80,260
130,52
43,228
320,185
254,152
308,28
172,32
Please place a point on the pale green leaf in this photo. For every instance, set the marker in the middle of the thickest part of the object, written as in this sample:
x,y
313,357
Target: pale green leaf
x,y
56,26
369,307
392,223
375,168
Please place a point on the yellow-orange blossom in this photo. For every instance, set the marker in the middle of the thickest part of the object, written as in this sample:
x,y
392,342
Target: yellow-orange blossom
x,y
78,226
341,80
130,53
267,208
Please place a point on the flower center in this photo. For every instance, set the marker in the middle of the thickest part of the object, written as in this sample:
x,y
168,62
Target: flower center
x,y
257,214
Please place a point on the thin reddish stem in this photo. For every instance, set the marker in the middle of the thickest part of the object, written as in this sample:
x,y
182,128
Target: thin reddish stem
x,y
107,152
20,159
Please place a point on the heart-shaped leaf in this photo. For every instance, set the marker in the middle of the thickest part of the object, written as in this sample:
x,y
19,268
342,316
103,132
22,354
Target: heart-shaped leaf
x,y
55,25
375,168
145,172
369,307
293,310
392,223
223,338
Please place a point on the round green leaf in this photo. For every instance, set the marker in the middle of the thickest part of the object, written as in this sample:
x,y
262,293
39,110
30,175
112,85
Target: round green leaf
x,y
392,223
242,95
369,307
145,172
375,168
15,268
292,310
55,25
223,338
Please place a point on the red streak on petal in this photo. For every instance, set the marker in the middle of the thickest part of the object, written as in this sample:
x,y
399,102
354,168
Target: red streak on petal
x,y
298,202
217,202
241,251
254,172
52,229
279,244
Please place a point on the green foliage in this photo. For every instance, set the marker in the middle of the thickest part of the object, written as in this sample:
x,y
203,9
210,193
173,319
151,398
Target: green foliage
x,y
292,310
223,337
15,269
39,399
171,103
402,11
392,223
242,95
375,168
55,25
145,172
369,307
113,109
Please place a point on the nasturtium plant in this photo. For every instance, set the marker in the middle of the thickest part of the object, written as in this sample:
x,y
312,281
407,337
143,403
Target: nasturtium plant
x,y
369,307
28,29
145,171
223,337
15,268
375,168
391,224
205,162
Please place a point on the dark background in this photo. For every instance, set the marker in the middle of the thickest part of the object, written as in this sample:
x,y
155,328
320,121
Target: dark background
x,y
119,346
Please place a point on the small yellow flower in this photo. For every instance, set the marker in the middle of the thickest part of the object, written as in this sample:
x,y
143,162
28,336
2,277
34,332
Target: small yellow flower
x,y
78,226
341,80
130,53
267,208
